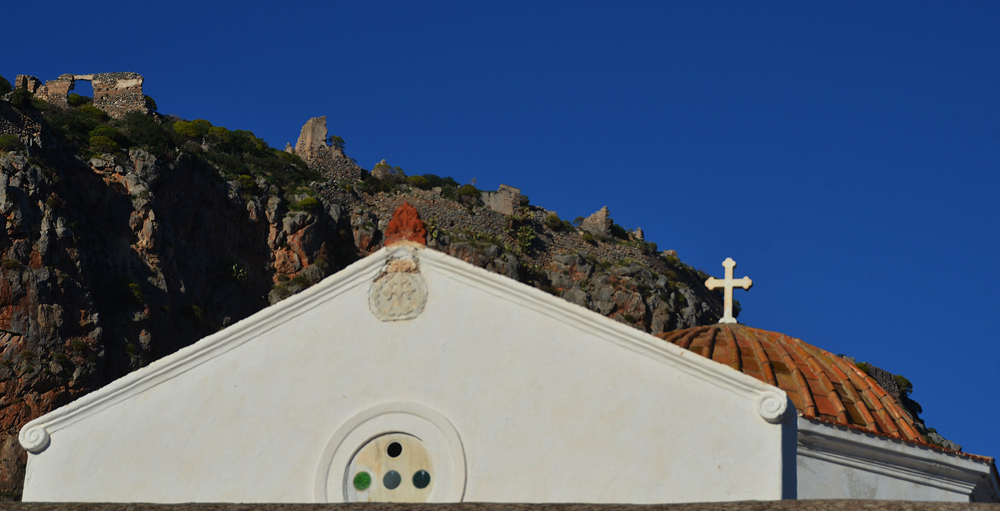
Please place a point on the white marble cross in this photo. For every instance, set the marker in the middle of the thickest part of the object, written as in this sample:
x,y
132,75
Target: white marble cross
x,y
728,284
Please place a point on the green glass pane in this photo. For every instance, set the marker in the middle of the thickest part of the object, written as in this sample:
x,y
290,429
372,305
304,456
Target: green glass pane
x,y
362,481
421,479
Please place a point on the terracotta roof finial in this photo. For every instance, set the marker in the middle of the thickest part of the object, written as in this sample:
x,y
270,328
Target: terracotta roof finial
x,y
728,284
405,226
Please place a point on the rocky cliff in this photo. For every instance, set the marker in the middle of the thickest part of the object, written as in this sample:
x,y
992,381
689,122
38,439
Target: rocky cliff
x,y
127,239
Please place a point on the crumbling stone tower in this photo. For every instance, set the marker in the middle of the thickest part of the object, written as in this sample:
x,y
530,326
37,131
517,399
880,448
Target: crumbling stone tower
x,y
320,155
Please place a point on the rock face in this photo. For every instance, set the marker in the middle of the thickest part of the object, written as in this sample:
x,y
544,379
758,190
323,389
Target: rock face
x,y
328,158
112,261
598,223
109,264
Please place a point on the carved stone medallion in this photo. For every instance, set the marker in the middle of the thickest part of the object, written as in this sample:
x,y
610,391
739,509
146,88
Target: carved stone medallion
x,y
399,293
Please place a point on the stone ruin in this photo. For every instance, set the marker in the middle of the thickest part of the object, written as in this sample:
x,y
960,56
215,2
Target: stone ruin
x,y
505,200
598,223
317,150
115,93
13,122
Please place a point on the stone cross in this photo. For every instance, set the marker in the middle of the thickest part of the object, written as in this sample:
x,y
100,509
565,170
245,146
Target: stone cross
x,y
728,284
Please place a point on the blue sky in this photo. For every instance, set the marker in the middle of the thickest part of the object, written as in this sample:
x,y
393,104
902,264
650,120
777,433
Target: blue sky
x,y
845,155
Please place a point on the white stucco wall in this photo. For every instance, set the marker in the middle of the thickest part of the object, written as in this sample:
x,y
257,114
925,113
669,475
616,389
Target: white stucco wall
x,y
820,479
546,408
839,463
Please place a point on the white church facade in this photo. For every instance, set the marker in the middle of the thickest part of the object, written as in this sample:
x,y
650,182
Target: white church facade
x,y
414,376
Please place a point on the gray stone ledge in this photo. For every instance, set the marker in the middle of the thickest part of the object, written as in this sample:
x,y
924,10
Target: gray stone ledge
x,y
780,505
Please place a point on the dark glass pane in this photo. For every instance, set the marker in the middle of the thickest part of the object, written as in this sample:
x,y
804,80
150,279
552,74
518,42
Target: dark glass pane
x,y
421,479
391,479
394,449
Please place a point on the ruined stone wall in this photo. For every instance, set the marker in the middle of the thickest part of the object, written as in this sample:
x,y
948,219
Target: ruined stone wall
x,y
13,122
30,83
505,200
119,93
115,93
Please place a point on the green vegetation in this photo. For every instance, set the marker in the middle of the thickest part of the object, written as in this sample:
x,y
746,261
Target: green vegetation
x,y
10,142
91,110
110,133
11,264
525,237
136,293
468,191
20,98
4,86
309,205
420,182
905,387
373,185
197,128
104,144
553,222
75,99
247,183
435,181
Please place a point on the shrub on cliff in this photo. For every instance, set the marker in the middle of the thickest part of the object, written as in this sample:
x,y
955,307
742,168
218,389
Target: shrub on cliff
x,y
218,134
335,141
418,182
20,98
443,182
4,86
104,144
553,222
373,185
197,128
112,133
309,205
10,142
143,131
75,124
75,99
468,191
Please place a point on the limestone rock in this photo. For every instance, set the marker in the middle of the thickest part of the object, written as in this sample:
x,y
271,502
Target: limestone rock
x,y
385,172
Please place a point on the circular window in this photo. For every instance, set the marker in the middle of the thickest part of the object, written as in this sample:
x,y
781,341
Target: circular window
x,y
396,452
398,467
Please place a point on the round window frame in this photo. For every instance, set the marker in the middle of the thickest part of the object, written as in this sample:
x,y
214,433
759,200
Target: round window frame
x,y
430,427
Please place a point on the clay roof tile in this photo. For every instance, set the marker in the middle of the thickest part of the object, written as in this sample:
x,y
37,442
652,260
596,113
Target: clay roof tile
x,y
822,386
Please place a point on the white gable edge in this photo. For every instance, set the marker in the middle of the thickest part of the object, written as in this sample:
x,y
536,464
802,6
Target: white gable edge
x,y
771,401
894,458
34,436
592,323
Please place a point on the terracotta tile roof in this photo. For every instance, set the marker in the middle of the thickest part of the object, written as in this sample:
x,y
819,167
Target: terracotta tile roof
x,y
822,385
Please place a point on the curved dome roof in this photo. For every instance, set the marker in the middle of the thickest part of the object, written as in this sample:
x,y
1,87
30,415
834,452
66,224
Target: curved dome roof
x,y
822,385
